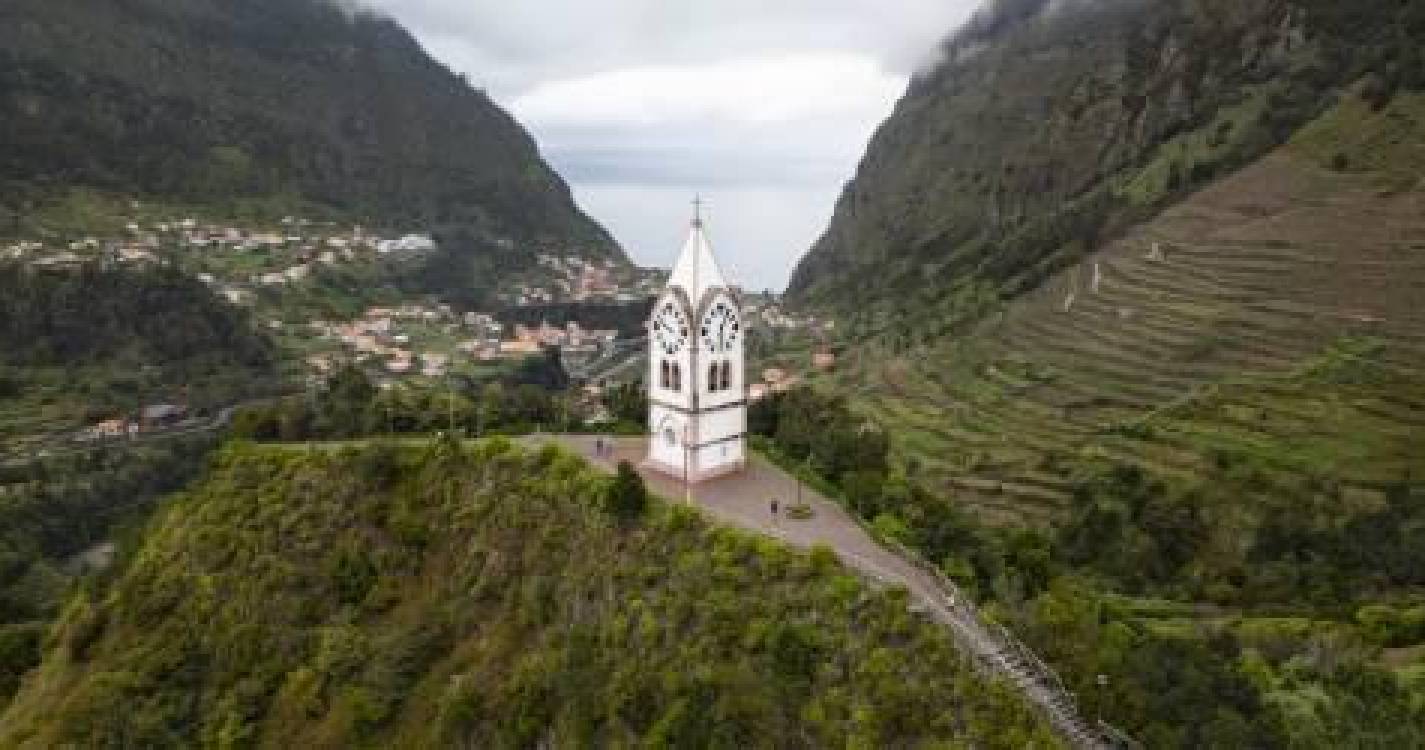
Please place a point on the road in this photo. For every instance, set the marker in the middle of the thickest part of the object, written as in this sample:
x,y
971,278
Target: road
x,y
744,500
67,443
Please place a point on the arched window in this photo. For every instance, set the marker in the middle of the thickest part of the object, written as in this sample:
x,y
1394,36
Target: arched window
x,y
665,380
677,377
713,377
726,375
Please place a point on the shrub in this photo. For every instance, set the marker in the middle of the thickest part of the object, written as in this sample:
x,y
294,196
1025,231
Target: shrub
x,y
626,497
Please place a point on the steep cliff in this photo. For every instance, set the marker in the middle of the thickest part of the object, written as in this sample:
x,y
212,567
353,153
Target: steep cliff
x,y
1050,126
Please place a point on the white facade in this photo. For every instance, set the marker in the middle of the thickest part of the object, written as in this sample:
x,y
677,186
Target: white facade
x,y
696,385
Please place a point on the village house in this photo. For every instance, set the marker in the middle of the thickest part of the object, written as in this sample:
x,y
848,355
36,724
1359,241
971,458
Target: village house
x,y
236,296
519,348
110,428
162,415
433,365
136,255
320,363
59,261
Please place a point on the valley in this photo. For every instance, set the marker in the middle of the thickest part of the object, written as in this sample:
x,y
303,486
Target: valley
x,y
1095,416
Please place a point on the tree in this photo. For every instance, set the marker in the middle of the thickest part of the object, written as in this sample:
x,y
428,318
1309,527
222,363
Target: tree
x,y
627,402
626,496
545,370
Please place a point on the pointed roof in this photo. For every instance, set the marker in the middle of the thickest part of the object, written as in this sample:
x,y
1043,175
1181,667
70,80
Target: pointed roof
x,y
696,270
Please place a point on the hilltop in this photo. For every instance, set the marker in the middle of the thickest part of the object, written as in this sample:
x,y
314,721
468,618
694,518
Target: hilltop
x,y
414,597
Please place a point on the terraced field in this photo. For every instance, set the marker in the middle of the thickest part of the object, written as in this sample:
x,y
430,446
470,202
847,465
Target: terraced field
x,y
1277,315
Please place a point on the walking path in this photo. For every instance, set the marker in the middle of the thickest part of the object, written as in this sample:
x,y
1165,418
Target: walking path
x,y
744,500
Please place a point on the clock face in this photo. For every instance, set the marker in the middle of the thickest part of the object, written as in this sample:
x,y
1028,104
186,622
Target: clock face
x,y
670,329
720,328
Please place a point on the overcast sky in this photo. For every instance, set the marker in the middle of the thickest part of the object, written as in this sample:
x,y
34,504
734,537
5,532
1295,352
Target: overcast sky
x,y
762,107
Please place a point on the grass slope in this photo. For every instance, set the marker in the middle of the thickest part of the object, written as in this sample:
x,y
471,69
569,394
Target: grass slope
x,y
388,596
1272,318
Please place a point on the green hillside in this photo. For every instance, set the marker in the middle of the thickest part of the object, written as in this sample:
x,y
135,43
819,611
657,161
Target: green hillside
x,y
447,596
1242,317
1049,127
77,347
1147,302
295,105
1270,320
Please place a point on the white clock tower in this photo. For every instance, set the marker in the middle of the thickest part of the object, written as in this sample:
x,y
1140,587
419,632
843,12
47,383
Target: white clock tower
x,y
697,404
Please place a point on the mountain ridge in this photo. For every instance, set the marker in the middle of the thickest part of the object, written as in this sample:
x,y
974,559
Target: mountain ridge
x,y
1137,284
306,102
1010,159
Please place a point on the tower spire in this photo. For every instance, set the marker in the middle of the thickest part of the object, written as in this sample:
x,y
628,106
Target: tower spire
x,y
696,270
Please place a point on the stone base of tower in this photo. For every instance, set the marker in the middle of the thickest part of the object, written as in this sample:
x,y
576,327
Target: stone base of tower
x,y
694,475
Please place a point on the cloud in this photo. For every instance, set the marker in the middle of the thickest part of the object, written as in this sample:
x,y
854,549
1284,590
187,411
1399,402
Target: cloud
x,y
641,103
790,119
750,91
512,47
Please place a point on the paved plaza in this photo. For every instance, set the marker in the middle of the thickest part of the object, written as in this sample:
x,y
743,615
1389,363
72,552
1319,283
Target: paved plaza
x,y
744,500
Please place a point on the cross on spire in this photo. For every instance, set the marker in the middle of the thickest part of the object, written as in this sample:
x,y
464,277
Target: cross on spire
x,y
696,270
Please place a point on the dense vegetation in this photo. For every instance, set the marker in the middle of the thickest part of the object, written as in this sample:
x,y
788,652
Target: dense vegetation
x,y
92,344
485,596
1044,131
297,103
349,406
628,318
54,509
1297,663
1143,299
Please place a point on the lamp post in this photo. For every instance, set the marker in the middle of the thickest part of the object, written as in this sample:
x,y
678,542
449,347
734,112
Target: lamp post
x,y
450,405
687,451
1102,682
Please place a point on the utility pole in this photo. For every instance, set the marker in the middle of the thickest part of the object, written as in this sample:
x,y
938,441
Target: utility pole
x,y
1102,694
806,464
687,449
